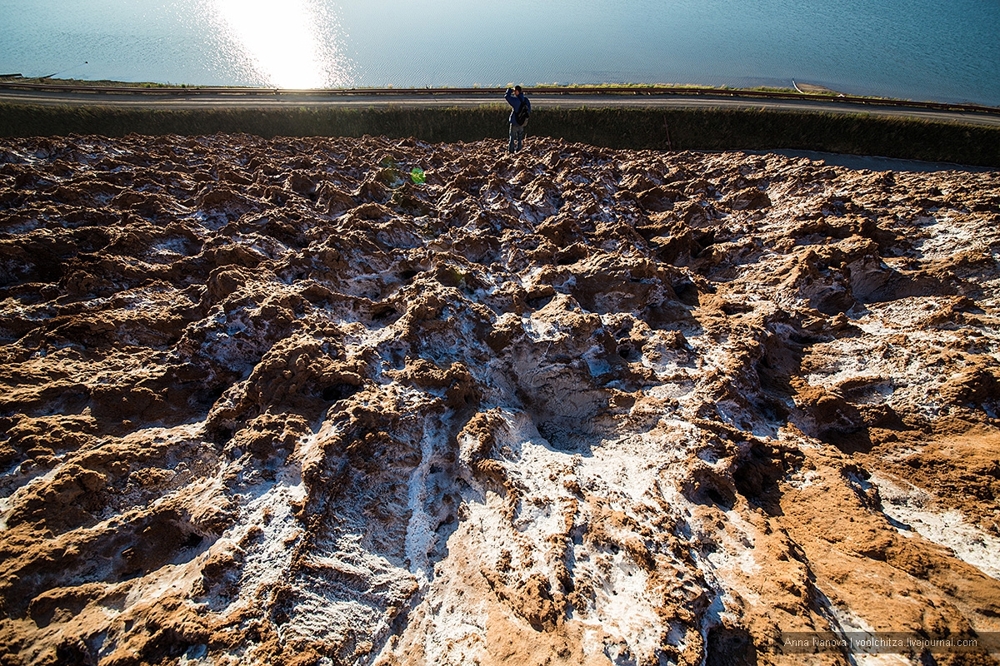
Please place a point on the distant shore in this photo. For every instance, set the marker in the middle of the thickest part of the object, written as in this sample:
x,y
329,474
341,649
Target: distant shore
x,y
798,88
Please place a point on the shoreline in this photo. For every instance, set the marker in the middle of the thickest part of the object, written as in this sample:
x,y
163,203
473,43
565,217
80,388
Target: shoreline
x,y
798,90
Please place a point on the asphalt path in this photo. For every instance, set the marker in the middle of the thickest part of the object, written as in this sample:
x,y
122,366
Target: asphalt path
x,y
260,98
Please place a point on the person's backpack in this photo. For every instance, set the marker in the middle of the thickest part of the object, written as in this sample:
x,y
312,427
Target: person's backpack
x,y
521,116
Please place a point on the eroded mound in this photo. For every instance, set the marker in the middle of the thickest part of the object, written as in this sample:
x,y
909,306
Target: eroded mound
x,y
292,402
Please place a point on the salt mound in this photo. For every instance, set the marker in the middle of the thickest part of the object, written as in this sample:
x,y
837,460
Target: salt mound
x,y
277,402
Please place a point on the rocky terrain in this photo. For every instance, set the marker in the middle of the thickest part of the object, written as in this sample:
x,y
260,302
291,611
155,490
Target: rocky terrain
x,y
362,401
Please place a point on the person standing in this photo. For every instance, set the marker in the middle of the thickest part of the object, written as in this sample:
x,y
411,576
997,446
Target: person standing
x,y
520,110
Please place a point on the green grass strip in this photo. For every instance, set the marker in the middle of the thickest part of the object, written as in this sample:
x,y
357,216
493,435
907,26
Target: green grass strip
x,y
634,128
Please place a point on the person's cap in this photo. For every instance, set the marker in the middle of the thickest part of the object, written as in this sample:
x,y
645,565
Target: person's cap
x,y
517,88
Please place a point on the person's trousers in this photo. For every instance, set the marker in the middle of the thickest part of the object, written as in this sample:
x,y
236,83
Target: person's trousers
x,y
516,138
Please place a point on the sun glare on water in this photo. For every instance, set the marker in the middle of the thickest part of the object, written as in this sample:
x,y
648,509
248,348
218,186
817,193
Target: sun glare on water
x,y
284,41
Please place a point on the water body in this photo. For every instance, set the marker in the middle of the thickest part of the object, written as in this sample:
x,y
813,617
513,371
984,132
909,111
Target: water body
x,y
912,49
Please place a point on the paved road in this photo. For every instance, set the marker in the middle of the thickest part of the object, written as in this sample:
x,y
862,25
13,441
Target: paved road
x,y
432,98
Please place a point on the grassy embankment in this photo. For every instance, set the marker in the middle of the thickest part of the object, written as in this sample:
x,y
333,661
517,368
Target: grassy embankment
x,y
636,128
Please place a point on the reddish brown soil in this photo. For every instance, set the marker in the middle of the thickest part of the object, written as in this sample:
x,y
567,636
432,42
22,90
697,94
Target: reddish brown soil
x,y
280,402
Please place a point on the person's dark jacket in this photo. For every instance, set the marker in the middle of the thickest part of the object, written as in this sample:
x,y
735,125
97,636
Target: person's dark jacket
x,y
516,103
